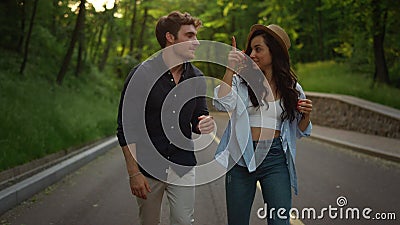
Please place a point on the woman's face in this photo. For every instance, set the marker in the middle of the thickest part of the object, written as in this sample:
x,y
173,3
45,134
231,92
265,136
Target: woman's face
x,y
260,54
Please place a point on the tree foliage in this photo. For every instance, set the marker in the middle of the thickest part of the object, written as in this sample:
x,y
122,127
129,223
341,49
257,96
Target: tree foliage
x,y
363,33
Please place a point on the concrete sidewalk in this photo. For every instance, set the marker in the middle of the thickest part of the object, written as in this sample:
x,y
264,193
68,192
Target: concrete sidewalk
x,y
382,147
386,148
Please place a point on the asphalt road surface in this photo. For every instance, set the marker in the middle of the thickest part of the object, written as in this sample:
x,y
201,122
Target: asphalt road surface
x,y
98,193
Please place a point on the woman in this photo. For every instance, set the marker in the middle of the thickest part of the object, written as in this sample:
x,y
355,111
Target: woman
x,y
268,113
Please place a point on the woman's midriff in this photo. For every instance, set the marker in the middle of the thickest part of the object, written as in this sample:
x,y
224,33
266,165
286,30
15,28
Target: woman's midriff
x,y
259,133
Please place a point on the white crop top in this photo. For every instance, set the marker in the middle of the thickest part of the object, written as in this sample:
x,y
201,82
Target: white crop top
x,y
266,116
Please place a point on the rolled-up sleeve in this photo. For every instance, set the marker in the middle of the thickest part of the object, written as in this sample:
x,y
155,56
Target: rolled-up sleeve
x,y
120,128
131,128
306,132
226,103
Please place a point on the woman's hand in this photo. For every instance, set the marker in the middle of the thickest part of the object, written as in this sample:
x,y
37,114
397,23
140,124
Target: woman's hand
x,y
305,106
235,58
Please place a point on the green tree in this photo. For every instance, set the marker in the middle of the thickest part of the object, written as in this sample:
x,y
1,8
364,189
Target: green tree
x,y
28,38
75,36
363,27
109,37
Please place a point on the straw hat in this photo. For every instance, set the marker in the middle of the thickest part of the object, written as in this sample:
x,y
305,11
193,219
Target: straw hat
x,y
276,31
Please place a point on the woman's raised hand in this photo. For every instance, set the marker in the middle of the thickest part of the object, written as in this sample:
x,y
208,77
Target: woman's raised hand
x,y
235,58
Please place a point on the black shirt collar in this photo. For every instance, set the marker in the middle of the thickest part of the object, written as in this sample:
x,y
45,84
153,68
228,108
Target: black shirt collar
x,y
160,59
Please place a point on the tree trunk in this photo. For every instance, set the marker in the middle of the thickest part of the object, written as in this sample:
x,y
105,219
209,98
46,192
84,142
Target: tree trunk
x,y
106,51
123,39
80,63
22,30
123,47
109,39
381,71
141,37
94,43
132,28
28,38
96,50
321,34
81,47
54,19
379,24
78,26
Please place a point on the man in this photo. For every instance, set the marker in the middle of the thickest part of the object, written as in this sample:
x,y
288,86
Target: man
x,y
162,103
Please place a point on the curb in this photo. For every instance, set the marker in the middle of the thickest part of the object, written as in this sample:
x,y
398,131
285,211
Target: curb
x,y
23,190
358,148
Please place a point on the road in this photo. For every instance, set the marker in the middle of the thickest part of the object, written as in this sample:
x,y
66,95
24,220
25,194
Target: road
x,y
98,193
326,173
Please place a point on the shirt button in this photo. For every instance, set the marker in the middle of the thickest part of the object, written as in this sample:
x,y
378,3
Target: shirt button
x,y
175,95
172,80
172,127
173,111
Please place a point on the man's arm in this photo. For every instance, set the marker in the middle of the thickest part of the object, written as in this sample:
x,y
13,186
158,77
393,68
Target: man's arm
x,y
202,122
139,184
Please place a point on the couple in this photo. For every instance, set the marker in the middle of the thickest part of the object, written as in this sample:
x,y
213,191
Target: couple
x,y
157,115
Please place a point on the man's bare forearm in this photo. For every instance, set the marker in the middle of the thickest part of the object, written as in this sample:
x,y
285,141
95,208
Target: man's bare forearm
x,y
130,158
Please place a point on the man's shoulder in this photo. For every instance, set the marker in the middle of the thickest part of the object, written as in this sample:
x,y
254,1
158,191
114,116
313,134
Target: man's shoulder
x,y
150,62
131,73
194,70
151,66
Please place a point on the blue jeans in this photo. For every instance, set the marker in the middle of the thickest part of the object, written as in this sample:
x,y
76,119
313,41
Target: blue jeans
x,y
273,175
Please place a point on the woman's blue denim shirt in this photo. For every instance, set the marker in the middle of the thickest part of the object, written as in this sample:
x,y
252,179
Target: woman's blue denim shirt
x,y
237,136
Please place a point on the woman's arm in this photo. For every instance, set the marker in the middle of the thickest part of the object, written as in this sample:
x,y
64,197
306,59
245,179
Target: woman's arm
x,y
304,106
226,85
234,58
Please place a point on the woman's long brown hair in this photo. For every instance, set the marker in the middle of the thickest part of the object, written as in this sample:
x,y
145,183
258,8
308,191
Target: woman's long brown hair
x,y
284,77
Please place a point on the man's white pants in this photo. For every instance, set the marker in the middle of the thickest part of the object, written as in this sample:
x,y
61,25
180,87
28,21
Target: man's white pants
x,y
180,194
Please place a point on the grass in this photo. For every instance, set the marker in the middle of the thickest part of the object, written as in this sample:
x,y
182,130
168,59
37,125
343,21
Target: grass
x,y
332,77
39,117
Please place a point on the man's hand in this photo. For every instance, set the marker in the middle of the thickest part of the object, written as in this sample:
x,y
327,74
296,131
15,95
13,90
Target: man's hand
x,y
139,186
206,124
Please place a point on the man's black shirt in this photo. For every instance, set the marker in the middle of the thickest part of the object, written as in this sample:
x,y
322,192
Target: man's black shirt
x,y
170,116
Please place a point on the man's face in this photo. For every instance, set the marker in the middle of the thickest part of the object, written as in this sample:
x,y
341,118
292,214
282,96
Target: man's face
x,y
185,44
